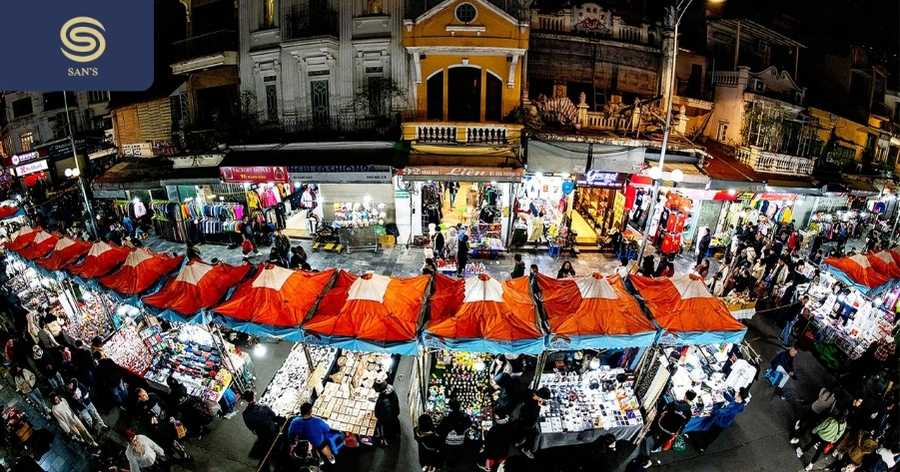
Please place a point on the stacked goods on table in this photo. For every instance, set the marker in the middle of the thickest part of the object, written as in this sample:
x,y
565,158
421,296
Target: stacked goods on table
x,y
291,386
347,402
464,377
595,399
190,355
127,349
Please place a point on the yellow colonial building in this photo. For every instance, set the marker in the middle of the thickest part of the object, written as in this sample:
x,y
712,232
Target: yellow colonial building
x,y
466,70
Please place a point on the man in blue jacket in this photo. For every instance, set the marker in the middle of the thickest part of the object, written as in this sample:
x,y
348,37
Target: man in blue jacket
x,y
315,430
723,418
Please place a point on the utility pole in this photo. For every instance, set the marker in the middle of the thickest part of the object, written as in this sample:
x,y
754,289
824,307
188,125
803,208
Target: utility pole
x,y
673,17
91,224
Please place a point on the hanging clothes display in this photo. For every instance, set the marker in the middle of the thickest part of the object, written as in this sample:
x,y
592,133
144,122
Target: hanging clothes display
x,y
672,220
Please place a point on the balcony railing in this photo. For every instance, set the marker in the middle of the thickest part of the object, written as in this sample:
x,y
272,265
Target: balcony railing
x,y
491,134
565,22
774,163
604,122
207,44
726,78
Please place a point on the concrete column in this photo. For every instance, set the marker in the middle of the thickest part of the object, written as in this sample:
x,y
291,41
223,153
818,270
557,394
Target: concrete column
x,y
667,65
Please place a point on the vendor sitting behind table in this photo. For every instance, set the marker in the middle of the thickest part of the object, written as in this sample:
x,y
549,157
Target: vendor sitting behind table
x,y
316,431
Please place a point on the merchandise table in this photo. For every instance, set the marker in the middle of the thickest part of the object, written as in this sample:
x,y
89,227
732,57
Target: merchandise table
x,y
462,376
347,400
295,382
585,406
702,368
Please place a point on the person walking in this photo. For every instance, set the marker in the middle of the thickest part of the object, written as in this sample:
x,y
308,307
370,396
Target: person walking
x,y
526,425
462,255
387,411
565,271
68,421
671,420
855,450
452,430
818,410
26,385
783,363
518,268
142,453
261,421
829,431
282,247
723,418
429,444
703,245
79,398
437,244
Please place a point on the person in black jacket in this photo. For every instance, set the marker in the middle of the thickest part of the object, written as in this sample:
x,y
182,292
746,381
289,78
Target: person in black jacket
x,y
261,421
437,244
387,411
526,424
670,422
429,444
452,430
462,255
519,268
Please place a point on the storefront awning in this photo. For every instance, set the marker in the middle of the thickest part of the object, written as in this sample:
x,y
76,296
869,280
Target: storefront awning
x,y
147,174
477,168
692,177
577,158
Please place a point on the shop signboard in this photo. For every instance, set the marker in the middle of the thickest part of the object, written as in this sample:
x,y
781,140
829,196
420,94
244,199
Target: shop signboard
x,y
254,174
31,167
25,157
596,178
461,173
137,150
325,174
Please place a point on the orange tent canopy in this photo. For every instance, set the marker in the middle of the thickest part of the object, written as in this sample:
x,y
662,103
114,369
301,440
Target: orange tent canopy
x,y
377,312
141,269
40,246
197,286
64,253
22,238
683,306
595,306
487,316
101,259
883,262
859,269
276,297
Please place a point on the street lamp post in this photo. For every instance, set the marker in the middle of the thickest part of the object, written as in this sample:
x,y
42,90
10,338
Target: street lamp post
x,y
674,15
77,171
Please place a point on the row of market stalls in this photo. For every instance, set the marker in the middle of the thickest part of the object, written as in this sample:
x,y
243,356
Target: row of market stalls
x,y
852,309
582,338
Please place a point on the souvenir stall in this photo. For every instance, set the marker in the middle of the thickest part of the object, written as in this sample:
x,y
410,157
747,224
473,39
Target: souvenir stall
x,y
844,318
274,302
302,373
197,287
471,323
140,271
208,220
667,230
596,332
369,313
698,340
95,314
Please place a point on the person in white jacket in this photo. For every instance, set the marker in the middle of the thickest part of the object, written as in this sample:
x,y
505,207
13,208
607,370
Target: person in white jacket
x,y
142,453
26,385
69,421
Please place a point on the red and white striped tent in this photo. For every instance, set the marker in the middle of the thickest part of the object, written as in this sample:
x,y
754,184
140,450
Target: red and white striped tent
x,y
198,286
859,270
65,252
377,313
274,302
42,244
100,260
140,271
21,238
884,263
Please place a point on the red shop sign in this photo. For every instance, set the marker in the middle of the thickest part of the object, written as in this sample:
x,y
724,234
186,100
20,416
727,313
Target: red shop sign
x,y
254,174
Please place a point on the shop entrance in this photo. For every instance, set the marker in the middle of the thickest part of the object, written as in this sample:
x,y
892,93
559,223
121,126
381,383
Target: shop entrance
x,y
482,208
598,211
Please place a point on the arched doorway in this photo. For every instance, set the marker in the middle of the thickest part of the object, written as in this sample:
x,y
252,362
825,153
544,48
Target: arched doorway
x,y
464,94
435,96
493,97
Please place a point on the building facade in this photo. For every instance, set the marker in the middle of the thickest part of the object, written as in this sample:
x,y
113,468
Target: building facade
x,y
318,64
